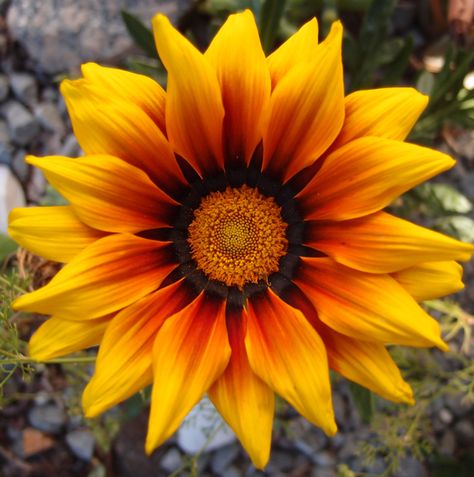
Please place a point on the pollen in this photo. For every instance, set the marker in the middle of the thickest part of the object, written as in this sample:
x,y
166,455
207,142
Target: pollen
x,y
238,236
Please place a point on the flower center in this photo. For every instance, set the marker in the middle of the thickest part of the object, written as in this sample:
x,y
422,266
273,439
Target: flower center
x,y
238,236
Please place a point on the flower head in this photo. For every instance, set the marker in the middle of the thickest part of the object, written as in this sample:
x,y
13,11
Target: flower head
x,y
227,235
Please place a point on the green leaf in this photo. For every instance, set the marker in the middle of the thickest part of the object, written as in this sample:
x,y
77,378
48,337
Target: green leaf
x,y
425,82
140,33
460,226
272,11
444,198
7,246
364,401
399,65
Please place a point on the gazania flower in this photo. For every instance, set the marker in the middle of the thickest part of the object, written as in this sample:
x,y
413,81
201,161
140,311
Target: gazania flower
x,y
227,235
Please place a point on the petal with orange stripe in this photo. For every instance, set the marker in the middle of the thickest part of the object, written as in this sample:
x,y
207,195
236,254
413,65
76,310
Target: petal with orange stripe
x,y
190,352
286,352
245,85
366,306
107,193
108,275
242,398
124,362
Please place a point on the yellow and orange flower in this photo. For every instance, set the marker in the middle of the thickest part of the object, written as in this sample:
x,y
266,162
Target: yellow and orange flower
x,y
227,235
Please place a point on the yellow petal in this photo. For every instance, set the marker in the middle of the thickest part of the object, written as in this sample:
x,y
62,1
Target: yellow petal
x,y
390,113
107,193
382,243
306,110
242,398
287,353
194,110
107,124
245,85
135,88
366,175
58,337
54,233
190,352
124,362
366,306
299,48
107,276
431,280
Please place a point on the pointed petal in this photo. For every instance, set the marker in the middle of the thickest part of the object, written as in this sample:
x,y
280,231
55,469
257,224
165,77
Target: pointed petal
x,y
382,243
245,85
124,362
107,193
287,353
134,88
190,352
244,400
366,363
299,48
365,175
108,275
194,110
430,280
306,110
390,113
54,233
366,306
58,337
107,124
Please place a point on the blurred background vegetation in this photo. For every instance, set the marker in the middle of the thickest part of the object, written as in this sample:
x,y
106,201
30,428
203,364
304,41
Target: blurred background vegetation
x,y
386,43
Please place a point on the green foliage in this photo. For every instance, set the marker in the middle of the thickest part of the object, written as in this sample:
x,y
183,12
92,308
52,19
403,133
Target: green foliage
x,y
364,401
140,33
271,14
7,247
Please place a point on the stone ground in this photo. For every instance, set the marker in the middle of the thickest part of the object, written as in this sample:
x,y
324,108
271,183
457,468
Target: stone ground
x,y
44,433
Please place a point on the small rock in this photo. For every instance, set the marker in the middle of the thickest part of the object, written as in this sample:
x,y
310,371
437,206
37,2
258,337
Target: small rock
x,y
22,124
445,416
49,118
281,461
4,87
410,467
37,185
316,472
171,461
222,459
447,445
11,195
20,167
49,418
81,442
70,147
24,87
465,430
233,471
35,442
6,149
324,459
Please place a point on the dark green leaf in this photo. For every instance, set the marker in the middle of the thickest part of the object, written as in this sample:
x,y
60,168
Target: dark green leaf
x,y
271,13
394,73
7,246
459,226
140,33
364,401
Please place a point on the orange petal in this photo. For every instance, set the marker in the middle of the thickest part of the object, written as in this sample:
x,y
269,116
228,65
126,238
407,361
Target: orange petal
x,y
107,124
366,306
107,193
190,352
390,113
245,85
426,281
135,88
108,275
54,233
382,243
287,353
306,110
299,48
366,175
194,110
124,362
58,337
244,400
